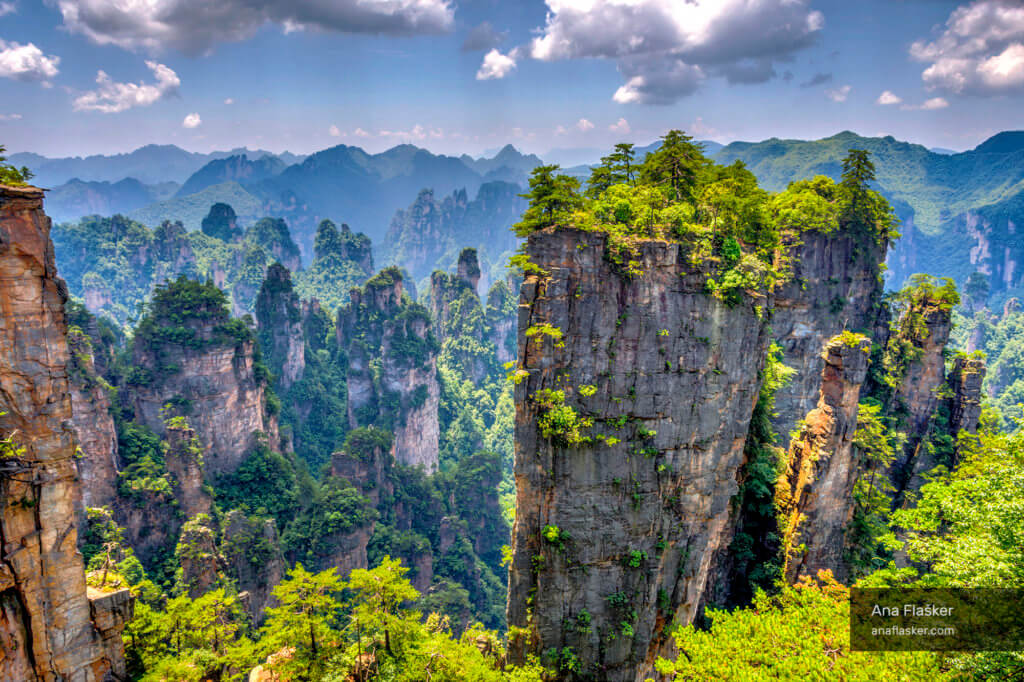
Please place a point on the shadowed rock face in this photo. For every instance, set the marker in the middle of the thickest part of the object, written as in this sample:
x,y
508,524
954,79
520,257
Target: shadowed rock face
x,y
46,623
624,527
380,326
278,312
835,287
93,424
228,402
823,463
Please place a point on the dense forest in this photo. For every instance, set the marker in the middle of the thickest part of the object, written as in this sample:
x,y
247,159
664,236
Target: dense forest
x,y
307,467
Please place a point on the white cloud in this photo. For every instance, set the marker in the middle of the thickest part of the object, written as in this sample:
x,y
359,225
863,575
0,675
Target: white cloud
x,y
621,126
196,26
888,97
665,48
561,130
928,105
10,117
418,132
112,97
979,52
359,132
839,94
7,8
192,121
26,63
935,103
333,131
229,101
496,65
583,125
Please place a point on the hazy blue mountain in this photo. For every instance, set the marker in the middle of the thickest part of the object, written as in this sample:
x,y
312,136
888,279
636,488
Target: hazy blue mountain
x,y
191,209
942,150
346,184
237,168
150,165
78,198
577,161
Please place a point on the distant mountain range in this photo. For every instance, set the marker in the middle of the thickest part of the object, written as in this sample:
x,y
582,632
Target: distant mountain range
x,y
960,210
152,164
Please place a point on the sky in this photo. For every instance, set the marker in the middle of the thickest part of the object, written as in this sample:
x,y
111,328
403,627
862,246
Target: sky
x,y
82,77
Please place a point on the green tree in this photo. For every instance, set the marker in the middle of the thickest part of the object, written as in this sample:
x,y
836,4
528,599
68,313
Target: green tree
x,y
553,197
305,619
622,166
801,634
9,175
674,166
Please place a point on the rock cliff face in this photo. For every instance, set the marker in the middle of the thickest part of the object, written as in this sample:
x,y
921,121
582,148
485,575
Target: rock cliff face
x,y
279,315
252,550
917,393
93,425
46,621
226,399
184,459
961,409
630,427
836,286
392,373
823,464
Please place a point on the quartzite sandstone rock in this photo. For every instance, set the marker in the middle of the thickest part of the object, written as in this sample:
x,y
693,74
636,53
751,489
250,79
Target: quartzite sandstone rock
x,y
625,529
46,627
835,286
823,464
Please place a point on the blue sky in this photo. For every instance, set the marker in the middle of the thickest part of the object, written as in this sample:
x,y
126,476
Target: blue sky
x,y
303,75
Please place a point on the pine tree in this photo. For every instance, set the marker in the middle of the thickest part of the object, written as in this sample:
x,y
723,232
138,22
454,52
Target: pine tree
x,y
674,166
552,197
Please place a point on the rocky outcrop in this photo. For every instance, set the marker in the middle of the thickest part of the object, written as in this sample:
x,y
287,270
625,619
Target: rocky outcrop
x,y
965,379
252,550
46,623
632,407
836,285
201,563
381,326
501,321
279,316
958,413
916,397
184,460
93,424
111,611
822,465
223,397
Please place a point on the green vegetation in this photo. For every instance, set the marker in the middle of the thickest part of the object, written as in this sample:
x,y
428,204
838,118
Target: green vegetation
x,y
731,229
9,175
800,634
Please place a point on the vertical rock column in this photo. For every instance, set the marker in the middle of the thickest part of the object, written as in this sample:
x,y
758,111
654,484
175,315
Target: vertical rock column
x,y
46,629
633,402
835,286
818,494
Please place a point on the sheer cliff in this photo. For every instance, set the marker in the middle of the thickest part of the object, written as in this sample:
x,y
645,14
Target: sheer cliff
x,y
632,406
50,627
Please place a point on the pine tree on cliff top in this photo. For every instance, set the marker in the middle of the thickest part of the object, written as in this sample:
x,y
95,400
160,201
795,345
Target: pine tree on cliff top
x,y
10,175
553,197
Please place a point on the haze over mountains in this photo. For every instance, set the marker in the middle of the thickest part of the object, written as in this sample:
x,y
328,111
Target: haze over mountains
x,y
972,199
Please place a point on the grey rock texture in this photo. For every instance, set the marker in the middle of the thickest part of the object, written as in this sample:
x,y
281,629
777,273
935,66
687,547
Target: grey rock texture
x,y
835,286
279,316
625,527
382,327
823,464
